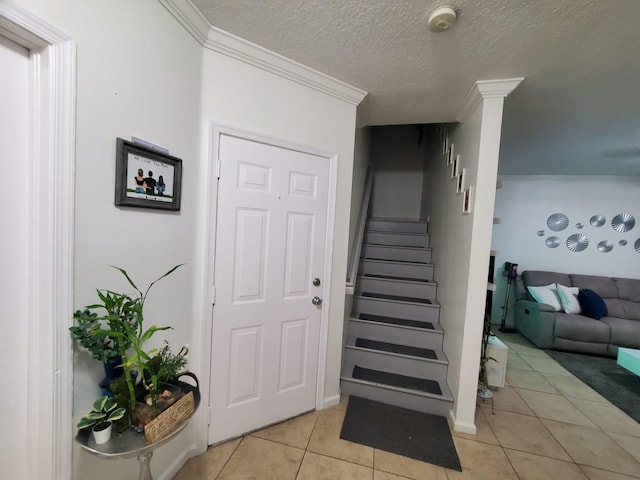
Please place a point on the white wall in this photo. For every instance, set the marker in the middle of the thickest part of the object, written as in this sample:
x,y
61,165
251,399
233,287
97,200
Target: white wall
x,y
461,243
138,75
240,95
397,161
523,205
451,234
14,255
361,161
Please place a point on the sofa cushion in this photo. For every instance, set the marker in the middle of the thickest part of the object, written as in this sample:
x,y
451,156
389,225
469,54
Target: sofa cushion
x,y
623,308
581,328
546,294
592,304
603,286
569,298
628,289
624,333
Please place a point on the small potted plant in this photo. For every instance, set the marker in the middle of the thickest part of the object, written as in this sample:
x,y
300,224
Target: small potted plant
x,y
120,328
103,413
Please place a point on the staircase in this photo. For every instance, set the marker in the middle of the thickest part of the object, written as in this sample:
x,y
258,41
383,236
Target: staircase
x,y
393,352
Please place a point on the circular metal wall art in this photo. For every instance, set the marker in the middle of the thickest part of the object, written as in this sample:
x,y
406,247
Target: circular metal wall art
x,y
577,242
557,222
637,245
623,222
541,233
552,242
597,220
622,243
579,225
605,246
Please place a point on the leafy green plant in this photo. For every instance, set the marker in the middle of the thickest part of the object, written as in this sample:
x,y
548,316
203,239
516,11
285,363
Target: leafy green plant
x,y
126,327
484,358
104,409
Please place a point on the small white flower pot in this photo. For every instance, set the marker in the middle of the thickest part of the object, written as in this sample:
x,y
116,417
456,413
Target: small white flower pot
x,y
102,432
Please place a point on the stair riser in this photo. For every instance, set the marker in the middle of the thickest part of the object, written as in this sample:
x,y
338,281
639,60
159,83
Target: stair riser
x,y
435,406
390,253
424,313
395,334
424,272
395,239
412,367
407,289
397,226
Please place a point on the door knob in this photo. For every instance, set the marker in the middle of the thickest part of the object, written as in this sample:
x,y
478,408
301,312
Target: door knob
x,y
316,301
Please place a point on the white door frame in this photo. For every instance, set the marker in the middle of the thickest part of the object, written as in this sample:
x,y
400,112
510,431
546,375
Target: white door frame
x,y
52,92
210,212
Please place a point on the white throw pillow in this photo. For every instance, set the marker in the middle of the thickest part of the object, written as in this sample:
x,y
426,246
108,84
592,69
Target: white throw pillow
x,y
569,298
546,294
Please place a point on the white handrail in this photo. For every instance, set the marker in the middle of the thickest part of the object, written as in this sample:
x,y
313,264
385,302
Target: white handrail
x,y
357,241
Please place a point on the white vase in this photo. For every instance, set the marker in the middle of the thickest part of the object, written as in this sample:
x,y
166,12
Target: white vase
x,y
102,434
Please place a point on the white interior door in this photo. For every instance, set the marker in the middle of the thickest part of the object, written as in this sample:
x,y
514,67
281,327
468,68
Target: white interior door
x,y
14,254
270,245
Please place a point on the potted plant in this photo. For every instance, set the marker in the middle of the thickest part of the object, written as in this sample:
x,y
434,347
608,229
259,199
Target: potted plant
x,y
483,384
121,328
103,413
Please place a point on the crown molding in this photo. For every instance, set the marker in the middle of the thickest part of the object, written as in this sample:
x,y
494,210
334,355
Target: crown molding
x,y
235,47
189,17
486,89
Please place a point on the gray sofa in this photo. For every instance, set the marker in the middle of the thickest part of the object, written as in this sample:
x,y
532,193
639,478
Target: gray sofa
x,y
547,328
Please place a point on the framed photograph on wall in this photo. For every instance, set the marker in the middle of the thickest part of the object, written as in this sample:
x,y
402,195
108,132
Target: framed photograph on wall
x,y
146,177
460,181
467,199
455,165
450,155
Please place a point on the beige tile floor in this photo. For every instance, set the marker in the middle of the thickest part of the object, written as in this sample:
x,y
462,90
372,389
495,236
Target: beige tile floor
x,y
547,425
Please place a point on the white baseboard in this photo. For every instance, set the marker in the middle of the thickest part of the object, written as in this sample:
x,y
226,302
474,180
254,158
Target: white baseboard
x,y
331,401
179,462
462,427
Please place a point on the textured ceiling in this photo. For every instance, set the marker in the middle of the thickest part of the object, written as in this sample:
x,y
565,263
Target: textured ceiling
x,y
577,112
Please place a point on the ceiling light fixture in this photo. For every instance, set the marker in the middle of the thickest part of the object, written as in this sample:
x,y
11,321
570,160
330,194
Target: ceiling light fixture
x,y
441,18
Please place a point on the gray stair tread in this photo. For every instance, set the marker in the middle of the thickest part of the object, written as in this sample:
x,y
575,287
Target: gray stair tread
x,y
395,380
396,348
396,321
392,277
403,262
395,247
397,261
399,298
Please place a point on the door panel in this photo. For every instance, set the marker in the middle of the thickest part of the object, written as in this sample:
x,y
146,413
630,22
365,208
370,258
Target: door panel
x,y
270,243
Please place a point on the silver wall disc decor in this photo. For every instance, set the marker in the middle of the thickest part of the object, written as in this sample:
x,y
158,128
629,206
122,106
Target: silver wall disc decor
x,y
577,242
605,246
597,220
622,243
623,222
637,245
541,233
579,225
552,242
558,222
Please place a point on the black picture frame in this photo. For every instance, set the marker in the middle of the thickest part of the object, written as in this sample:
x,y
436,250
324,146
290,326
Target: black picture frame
x,y
148,191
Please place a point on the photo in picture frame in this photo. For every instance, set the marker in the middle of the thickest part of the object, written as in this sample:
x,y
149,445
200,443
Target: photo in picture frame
x,y
450,154
146,177
455,166
460,181
467,200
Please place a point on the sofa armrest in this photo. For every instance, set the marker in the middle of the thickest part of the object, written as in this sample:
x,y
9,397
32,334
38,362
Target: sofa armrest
x,y
540,307
536,321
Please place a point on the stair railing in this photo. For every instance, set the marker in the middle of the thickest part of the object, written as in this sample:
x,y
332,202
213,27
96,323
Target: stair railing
x,y
352,273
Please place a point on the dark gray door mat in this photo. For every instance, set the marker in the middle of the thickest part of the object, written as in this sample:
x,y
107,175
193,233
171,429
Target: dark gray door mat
x,y
417,435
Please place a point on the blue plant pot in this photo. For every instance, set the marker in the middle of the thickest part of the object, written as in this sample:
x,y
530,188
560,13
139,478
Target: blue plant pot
x,y
112,370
